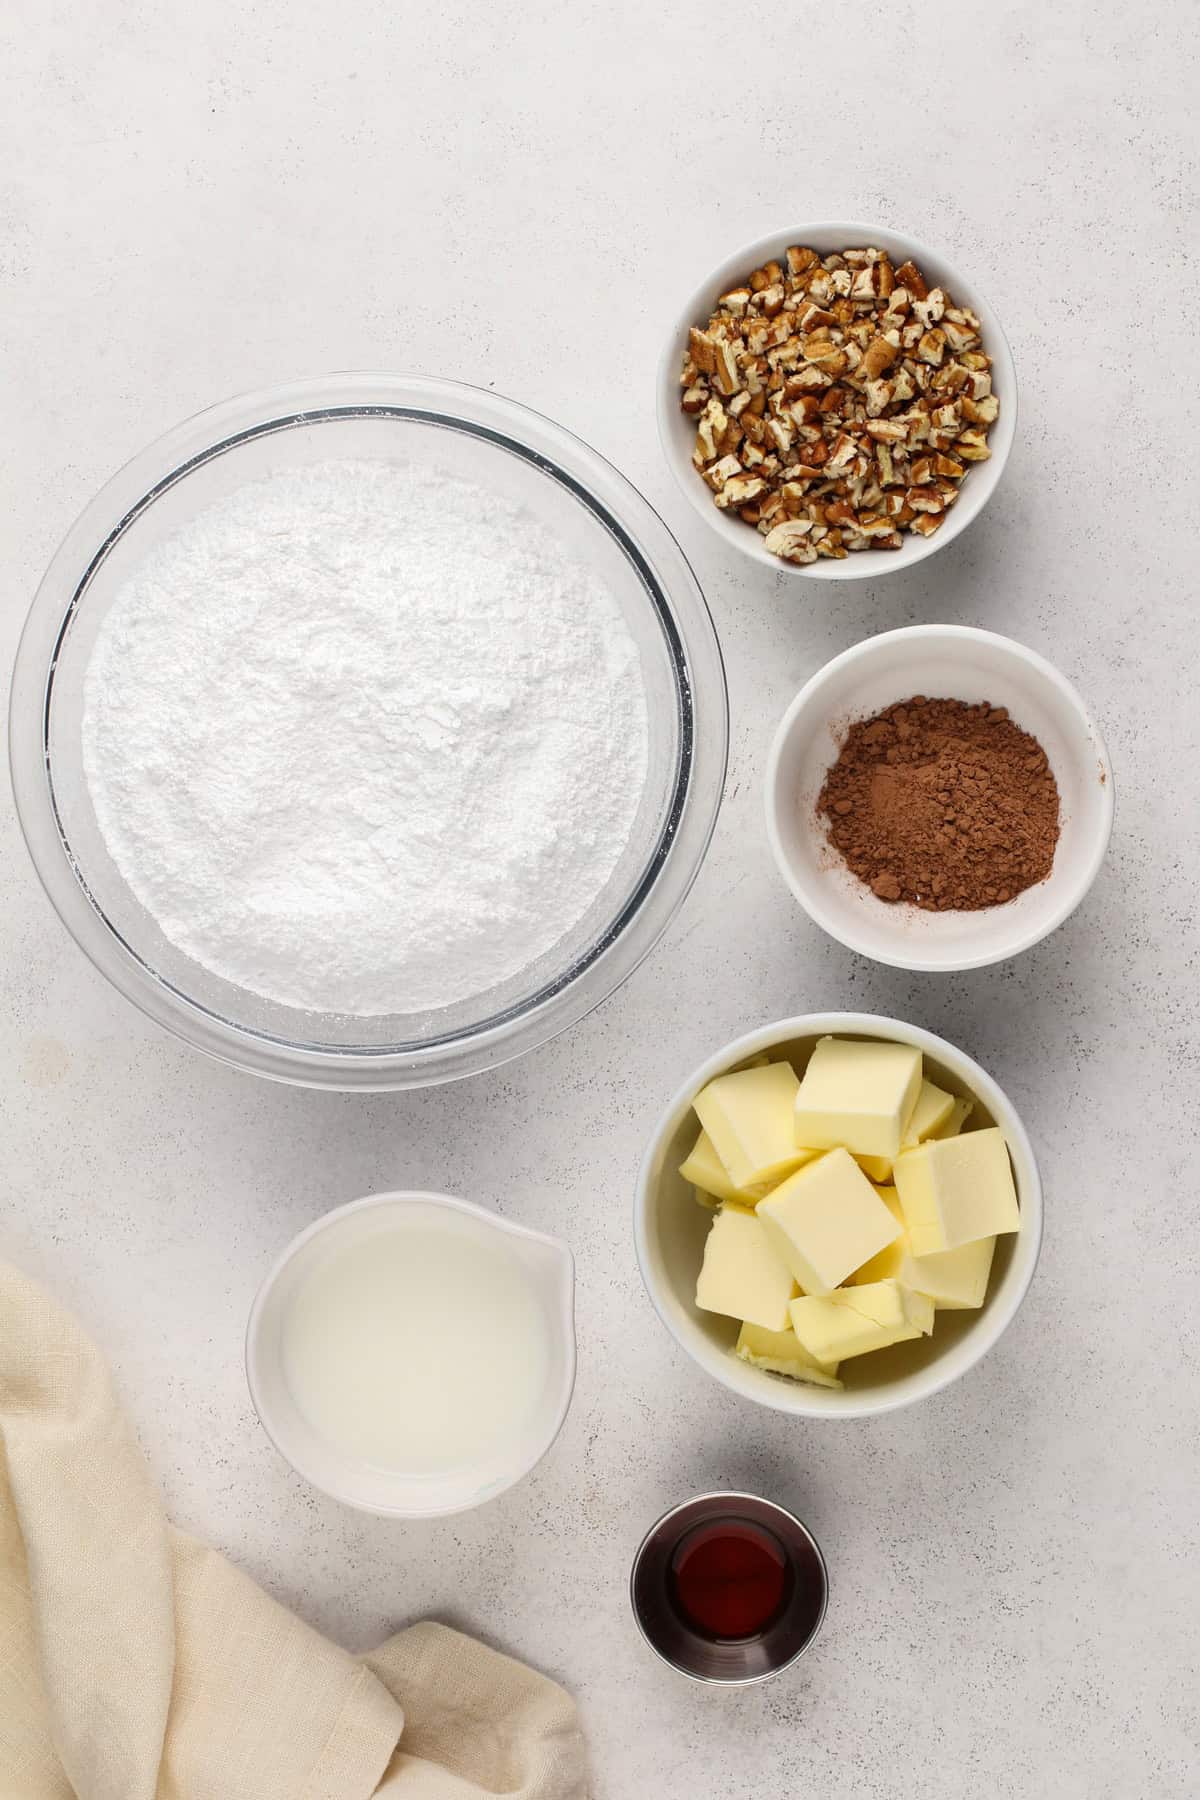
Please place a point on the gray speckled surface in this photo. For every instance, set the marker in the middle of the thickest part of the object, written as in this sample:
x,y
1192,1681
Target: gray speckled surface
x,y
194,201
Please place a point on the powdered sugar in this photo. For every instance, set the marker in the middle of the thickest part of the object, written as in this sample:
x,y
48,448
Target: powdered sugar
x,y
365,739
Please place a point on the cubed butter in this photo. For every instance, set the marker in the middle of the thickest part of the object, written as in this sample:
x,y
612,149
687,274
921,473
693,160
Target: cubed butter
x,y
879,1168
957,1117
936,1114
825,1221
783,1354
856,1320
749,1117
877,1301
741,1275
955,1190
859,1095
954,1280
933,1108
704,1169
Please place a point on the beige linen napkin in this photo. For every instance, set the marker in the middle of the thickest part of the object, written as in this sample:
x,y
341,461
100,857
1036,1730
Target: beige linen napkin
x,y
135,1664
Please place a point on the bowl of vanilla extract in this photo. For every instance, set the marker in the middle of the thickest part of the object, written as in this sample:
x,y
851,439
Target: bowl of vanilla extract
x,y
729,1588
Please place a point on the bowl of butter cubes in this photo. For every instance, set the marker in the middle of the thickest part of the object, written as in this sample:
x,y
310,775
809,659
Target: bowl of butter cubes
x,y
838,1215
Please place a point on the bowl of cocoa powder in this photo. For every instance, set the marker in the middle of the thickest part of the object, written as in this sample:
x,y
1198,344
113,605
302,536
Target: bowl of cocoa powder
x,y
939,798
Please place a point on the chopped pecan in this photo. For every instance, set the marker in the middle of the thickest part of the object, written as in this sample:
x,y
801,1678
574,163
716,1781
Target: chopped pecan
x,y
792,541
703,351
879,356
909,276
980,412
725,374
972,445
800,258
739,490
887,431
924,499
931,347
718,473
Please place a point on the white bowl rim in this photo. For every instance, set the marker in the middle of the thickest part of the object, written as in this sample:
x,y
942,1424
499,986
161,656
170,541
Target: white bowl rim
x,y
780,1396
915,549
1074,892
452,1203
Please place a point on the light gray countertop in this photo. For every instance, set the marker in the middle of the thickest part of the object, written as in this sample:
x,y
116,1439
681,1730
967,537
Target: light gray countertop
x,y
200,200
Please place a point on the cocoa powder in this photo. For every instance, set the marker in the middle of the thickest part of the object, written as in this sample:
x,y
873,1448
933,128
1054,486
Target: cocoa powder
x,y
948,806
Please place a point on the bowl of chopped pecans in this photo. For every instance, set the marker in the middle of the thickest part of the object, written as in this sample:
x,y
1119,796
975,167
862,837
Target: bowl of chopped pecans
x,y
837,400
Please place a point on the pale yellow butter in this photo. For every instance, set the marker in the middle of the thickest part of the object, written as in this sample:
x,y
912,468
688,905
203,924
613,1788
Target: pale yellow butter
x,y
783,1354
857,1320
748,1116
825,1221
957,1117
879,1168
937,1114
859,1095
704,1169
741,1275
933,1108
878,1301
954,1280
955,1190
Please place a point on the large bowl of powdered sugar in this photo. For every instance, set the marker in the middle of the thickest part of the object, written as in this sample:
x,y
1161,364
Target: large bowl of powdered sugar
x,y
368,732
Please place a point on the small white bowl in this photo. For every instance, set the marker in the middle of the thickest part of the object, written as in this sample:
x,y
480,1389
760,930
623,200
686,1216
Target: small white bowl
x,y
670,1229
678,433
954,662
392,1494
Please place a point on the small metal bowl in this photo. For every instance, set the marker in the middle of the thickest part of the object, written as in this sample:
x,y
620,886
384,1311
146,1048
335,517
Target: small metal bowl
x,y
729,1662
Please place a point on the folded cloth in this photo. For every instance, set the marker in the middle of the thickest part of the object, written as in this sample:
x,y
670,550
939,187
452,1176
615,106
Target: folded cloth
x,y
135,1664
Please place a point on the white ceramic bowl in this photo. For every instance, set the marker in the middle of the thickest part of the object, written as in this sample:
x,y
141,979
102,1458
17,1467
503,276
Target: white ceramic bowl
x,y
670,1230
952,662
548,1263
678,433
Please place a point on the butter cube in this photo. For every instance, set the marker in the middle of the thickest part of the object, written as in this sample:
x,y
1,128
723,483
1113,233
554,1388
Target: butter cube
x,y
954,1280
955,1190
748,1117
783,1354
704,1169
741,1274
959,1113
933,1108
879,1168
878,1301
825,1221
936,1114
859,1095
856,1320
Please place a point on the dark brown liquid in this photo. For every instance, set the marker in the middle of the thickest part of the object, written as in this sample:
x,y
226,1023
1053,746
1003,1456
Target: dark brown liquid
x,y
730,1579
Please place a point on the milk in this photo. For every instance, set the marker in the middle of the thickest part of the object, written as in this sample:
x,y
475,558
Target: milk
x,y
418,1348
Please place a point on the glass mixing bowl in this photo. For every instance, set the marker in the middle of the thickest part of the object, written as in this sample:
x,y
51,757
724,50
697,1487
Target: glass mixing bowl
x,y
600,519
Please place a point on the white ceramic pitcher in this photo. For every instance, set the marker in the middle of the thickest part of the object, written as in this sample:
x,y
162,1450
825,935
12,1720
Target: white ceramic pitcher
x,y
549,1268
